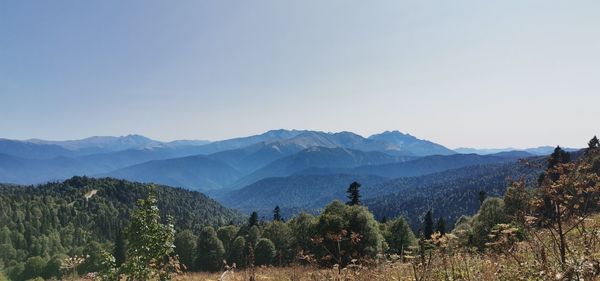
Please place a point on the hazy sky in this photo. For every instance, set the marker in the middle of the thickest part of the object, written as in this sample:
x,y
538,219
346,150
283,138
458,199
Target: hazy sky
x,y
461,73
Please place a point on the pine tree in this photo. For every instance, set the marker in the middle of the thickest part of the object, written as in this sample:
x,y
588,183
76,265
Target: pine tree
x,y
441,226
253,220
119,251
482,196
277,214
353,194
384,219
428,224
593,144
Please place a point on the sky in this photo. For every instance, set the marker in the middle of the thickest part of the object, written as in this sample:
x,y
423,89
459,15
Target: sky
x,y
460,73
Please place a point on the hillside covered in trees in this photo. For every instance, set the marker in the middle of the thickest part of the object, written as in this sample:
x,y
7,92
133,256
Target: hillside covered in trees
x,y
82,215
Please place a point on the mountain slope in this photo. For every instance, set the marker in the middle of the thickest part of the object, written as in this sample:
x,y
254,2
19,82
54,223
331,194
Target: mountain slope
x,y
32,171
539,151
29,150
408,143
198,172
101,144
253,157
297,191
421,166
317,157
67,217
235,143
450,194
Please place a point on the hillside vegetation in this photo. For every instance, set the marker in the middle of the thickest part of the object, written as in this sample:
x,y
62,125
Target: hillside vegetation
x,y
80,216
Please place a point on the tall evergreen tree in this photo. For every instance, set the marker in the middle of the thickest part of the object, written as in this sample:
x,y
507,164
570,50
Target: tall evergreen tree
x,y
353,194
119,250
277,214
428,224
593,144
253,220
482,196
441,226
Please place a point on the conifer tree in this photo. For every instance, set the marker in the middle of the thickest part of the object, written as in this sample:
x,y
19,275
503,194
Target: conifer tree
x,y
384,219
253,220
441,226
277,214
593,144
119,250
428,224
353,194
482,196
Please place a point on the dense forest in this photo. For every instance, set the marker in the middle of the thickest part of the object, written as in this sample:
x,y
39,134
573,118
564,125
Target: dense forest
x,y
81,215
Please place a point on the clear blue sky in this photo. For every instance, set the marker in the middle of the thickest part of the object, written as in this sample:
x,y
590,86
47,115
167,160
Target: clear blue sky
x,y
461,73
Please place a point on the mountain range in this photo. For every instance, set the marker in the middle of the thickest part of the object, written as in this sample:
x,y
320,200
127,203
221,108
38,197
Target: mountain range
x,y
235,163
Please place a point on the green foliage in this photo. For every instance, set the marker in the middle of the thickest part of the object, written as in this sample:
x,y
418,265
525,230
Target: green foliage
x,y
93,261
303,228
185,247
227,234
52,269
281,235
428,224
265,252
237,253
347,232
120,248
66,217
210,251
34,267
150,242
253,235
398,235
490,214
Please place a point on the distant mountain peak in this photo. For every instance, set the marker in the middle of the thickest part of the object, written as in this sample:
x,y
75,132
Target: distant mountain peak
x,y
414,145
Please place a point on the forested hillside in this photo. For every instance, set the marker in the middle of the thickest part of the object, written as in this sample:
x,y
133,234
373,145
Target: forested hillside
x,y
80,215
452,193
